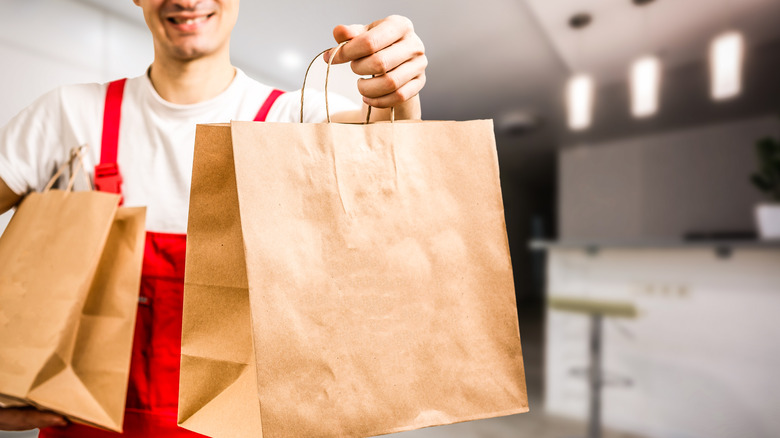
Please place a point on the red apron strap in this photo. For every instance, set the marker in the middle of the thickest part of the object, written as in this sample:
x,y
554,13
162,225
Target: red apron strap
x,y
111,117
263,113
107,176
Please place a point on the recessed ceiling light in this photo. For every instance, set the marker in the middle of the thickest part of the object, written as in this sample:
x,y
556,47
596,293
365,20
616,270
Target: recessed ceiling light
x,y
645,85
726,53
580,20
579,101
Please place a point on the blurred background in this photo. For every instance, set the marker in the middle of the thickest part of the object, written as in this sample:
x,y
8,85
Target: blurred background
x,y
626,133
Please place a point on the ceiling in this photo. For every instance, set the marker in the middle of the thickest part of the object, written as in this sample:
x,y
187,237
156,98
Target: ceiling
x,y
678,31
509,59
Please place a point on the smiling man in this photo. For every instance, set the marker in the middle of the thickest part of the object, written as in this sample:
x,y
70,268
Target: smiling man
x,y
141,132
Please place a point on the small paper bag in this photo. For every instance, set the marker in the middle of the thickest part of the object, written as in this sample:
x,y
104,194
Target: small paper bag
x,y
70,268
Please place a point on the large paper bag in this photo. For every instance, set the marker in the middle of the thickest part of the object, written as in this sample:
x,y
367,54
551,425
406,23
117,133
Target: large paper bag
x,y
347,280
70,268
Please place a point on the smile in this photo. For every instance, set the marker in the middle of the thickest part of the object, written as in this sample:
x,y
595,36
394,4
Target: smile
x,y
179,20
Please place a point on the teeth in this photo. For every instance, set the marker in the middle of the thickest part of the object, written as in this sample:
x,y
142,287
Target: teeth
x,y
189,20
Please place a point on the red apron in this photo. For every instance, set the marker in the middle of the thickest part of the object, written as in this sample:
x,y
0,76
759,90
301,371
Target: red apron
x,y
153,391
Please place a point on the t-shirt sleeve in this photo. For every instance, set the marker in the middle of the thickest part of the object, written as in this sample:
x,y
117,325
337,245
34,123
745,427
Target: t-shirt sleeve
x,y
31,145
288,106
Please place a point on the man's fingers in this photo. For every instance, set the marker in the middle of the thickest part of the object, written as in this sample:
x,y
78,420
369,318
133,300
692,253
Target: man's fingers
x,y
46,419
389,50
399,96
377,36
50,418
388,59
393,80
26,419
343,33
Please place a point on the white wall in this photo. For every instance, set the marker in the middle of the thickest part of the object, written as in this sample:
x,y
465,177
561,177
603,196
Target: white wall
x,y
662,185
46,43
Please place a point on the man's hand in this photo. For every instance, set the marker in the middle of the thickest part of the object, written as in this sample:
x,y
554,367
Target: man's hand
x,y
28,418
390,50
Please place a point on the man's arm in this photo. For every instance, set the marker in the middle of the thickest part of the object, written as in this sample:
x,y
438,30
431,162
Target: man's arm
x,y
8,198
391,52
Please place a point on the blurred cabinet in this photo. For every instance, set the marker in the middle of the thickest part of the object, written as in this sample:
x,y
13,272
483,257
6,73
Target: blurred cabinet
x,y
703,353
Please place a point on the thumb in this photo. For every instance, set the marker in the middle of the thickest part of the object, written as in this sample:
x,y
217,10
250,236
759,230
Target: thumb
x,y
51,419
343,33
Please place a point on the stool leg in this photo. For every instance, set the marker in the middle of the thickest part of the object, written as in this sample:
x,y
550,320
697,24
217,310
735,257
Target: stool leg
x,y
595,377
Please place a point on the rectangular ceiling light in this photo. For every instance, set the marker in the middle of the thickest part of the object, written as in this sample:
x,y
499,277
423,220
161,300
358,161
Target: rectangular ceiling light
x,y
645,85
726,65
579,101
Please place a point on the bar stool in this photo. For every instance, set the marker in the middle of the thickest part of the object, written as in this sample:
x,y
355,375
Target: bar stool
x,y
597,310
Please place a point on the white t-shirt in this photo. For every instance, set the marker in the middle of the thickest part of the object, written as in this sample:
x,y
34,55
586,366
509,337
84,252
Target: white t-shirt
x,y
156,138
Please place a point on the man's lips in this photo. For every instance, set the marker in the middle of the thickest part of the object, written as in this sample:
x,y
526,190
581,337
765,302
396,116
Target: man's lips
x,y
188,21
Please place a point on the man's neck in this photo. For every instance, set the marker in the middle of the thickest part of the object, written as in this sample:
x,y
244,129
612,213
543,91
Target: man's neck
x,y
191,81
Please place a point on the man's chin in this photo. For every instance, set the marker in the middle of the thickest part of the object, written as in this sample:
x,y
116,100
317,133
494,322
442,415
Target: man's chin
x,y
191,52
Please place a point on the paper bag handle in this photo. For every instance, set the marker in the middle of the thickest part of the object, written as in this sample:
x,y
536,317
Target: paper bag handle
x,y
75,153
327,75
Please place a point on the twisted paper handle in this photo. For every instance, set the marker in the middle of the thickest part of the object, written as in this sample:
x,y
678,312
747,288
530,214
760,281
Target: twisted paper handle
x,y
327,76
76,153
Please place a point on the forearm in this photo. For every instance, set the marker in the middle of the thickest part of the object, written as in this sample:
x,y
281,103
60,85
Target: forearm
x,y
8,198
409,110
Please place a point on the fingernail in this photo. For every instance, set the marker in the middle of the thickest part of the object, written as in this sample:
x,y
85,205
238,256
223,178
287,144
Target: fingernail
x,y
326,56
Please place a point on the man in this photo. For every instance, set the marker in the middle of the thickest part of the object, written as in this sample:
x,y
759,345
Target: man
x,y
153,117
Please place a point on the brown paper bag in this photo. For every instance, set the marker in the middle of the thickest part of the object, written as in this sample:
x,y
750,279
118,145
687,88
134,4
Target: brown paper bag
x,y
70,268
347,280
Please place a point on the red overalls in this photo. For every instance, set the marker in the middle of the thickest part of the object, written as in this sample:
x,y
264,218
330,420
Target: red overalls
x,y
153,391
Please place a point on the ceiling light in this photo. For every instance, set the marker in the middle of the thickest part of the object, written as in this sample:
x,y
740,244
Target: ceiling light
x,y
645,84
579,101
726,65
290,60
